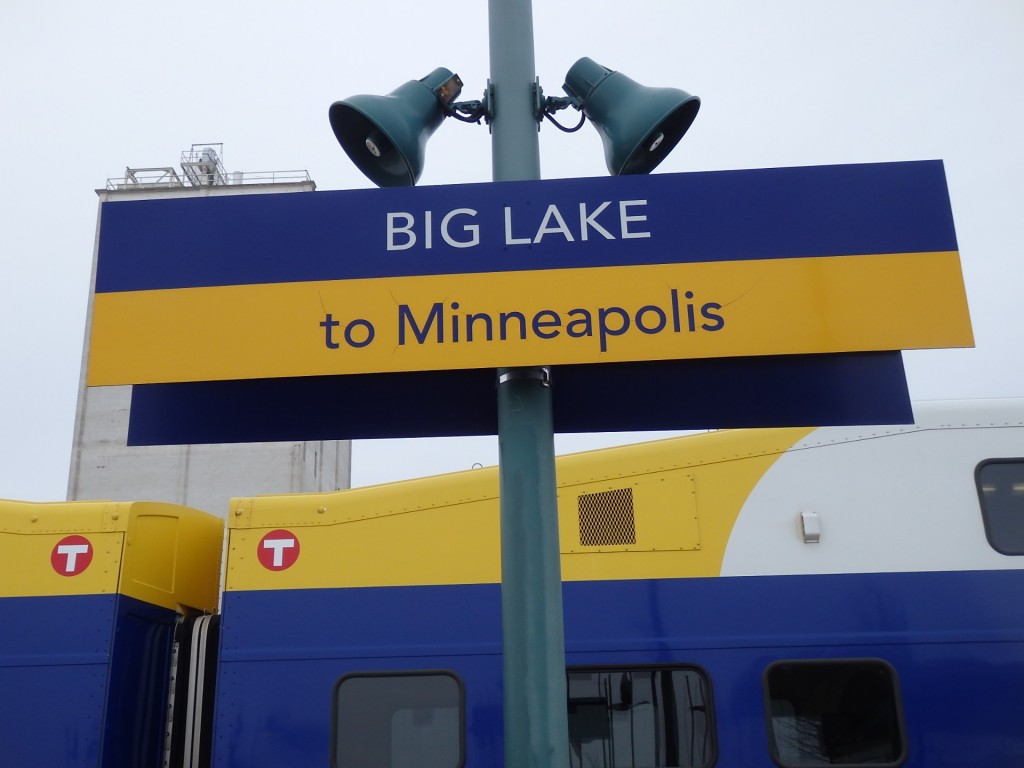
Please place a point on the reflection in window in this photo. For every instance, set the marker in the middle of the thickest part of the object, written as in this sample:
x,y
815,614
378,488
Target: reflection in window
x,y
639,718
834,712
1001,491
399,720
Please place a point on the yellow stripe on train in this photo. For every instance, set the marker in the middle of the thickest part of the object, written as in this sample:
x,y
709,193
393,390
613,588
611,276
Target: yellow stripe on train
x,y
163,554
665,509
544,317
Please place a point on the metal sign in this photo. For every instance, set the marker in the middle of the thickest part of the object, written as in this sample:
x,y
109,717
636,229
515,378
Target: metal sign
x,y
730,264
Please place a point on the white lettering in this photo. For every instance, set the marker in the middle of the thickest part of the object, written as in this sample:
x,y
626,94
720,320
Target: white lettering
x,y
406,230
625,218
509,240
588,221
544,229
472,229
279,546
72,551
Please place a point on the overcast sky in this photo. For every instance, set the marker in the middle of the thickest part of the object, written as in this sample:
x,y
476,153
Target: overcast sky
x,y
87,89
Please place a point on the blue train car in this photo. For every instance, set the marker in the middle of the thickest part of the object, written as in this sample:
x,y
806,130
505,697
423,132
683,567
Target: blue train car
x,y
89,601
789,597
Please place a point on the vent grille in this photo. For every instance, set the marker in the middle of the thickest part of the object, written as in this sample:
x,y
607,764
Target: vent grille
x,y
606,518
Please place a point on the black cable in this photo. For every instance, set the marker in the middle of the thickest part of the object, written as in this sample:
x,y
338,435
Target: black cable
x,y
559,126
467,111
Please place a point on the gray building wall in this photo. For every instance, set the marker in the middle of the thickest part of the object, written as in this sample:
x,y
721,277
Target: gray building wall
x,y
206,477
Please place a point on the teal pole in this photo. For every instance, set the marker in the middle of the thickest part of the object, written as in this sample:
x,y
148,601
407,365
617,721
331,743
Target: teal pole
x,y
536,717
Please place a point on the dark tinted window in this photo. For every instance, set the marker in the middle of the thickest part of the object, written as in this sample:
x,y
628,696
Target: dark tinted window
x,y
639,718
407,720
843,712
1001,491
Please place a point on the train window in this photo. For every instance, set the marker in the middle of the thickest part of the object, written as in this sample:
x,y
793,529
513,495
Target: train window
x,y
1001,492
639,717
399,720
834,712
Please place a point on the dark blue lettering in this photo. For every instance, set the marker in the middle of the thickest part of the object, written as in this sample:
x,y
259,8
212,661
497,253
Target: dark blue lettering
x,y
605,330
329,324
540,325
405,316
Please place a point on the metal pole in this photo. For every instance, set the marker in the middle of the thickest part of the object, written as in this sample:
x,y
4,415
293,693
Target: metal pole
x,y
515,150
536,718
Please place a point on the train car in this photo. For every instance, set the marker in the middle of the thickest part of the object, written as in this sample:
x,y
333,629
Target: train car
x,y
90,598
790,597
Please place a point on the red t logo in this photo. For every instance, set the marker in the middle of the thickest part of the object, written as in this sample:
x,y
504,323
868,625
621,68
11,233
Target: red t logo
x,y
278,550
71,556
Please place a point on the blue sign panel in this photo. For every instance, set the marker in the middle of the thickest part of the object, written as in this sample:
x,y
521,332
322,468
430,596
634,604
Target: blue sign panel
x,y
775,391
775,213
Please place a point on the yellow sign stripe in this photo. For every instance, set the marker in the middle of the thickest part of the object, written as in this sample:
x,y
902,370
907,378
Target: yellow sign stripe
x,y
605,314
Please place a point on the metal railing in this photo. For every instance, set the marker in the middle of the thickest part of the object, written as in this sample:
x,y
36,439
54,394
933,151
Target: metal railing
x,y
201,166
161,178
